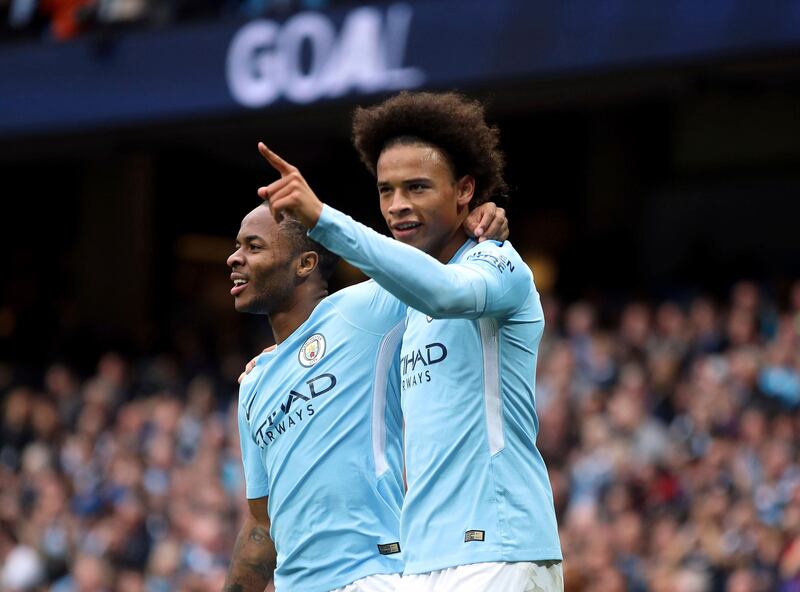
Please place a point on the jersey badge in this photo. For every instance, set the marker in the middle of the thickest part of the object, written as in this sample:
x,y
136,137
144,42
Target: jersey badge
x,y
312,350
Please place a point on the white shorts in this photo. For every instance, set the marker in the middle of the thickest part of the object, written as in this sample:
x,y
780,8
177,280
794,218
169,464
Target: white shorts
x,y
376,583
521,576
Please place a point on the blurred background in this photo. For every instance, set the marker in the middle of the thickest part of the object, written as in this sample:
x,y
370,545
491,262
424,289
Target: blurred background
x,y
654,154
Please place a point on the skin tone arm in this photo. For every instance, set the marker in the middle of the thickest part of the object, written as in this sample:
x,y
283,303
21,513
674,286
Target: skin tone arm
x,y
291,193
254,555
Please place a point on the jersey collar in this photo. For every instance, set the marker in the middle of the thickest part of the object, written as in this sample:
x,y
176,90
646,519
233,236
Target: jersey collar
x,y
468,244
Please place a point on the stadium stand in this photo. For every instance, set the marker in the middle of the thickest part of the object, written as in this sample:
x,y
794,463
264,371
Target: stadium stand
x,y
670,434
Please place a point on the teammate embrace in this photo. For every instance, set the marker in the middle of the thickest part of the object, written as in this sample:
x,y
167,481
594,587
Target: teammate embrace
x,y
441,343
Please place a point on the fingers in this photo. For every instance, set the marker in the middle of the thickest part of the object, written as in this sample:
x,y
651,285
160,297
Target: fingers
x,y
276,194
270,190
277,214
485,220
485,214
283,201
280,165
497,229
282,192
293,181
291,193
285,195
247,369
252,363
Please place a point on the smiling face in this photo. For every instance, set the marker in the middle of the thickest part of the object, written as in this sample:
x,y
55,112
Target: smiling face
x,y
263,265
421,201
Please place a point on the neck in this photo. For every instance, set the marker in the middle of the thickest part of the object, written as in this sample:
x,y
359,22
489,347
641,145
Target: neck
x,y
451,246
304,300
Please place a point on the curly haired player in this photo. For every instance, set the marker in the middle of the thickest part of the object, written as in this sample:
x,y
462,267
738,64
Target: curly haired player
x,y
478,514
319,418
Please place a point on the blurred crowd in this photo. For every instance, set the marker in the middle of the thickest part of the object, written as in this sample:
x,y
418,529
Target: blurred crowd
x,y
670,431
129,480
65,19
671,441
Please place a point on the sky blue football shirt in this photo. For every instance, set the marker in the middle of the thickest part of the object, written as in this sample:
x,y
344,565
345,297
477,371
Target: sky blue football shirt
x,y
320,428
478,489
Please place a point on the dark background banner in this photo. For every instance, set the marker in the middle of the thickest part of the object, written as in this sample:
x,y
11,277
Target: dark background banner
x,y
220,68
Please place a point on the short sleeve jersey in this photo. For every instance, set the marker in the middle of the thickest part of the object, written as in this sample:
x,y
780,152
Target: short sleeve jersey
x,y
321,434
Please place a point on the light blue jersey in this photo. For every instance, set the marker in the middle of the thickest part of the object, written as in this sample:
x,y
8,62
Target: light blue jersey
x,y
321,434
478,489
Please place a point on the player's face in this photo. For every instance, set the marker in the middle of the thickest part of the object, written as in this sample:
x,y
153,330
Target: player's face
x,y
421,201
262,266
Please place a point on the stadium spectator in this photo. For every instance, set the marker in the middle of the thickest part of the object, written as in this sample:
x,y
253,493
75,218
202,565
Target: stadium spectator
x,y
674,464
63,20
68,18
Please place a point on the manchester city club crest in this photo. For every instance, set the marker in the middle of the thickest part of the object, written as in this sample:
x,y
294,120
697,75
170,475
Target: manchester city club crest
x,y
312,351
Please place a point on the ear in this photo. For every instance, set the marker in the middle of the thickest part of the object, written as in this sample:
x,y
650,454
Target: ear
x,y
306,263
465,190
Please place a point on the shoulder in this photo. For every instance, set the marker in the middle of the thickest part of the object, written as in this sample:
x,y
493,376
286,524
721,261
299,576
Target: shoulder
x,y
368,306
360,291
267,364
501,256
355,297
511,291
247,397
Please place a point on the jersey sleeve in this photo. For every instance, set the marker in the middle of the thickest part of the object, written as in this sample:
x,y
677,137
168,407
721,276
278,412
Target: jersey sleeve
x,y
509,281
478,287
255,477
368,307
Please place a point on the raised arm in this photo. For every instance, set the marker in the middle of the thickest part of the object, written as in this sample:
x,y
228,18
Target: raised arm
x,y
411,275
254,556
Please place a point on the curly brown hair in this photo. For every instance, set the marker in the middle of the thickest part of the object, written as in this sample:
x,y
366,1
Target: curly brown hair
x,y
449,121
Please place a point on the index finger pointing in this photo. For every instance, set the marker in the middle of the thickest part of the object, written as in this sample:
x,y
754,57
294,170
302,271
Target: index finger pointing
x,y
280,165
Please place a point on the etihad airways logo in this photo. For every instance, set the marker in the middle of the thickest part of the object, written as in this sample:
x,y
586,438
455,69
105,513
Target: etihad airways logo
x,y
298,406
415,365
306,59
